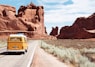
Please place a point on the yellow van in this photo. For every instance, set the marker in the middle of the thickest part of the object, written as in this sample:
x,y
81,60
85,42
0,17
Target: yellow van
x,y
17,43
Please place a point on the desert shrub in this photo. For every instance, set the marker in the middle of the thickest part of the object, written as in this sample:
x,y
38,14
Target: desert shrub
x,y
69,55
85,50
87,64
3,43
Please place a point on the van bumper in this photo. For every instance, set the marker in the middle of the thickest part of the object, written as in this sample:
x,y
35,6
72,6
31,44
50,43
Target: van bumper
x,y
15,50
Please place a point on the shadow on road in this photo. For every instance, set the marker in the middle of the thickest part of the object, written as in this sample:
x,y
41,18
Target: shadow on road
x,y
11,53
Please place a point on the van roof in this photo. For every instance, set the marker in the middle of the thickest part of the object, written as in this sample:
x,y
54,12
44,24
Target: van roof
x,y
17,35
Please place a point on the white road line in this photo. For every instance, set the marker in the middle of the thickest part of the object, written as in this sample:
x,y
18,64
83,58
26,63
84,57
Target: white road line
x,y
31,58
19,60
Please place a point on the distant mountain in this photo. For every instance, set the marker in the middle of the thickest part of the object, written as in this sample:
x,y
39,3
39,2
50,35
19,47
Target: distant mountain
x,y
79,29
82,28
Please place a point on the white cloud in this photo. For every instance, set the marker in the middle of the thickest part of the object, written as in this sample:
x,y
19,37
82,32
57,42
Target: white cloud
x,y
62,18
52,1
60,13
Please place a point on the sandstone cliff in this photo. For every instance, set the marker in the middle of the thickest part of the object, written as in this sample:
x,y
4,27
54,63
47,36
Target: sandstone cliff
x,y
29,18
80,29
8,20
32,17
54,31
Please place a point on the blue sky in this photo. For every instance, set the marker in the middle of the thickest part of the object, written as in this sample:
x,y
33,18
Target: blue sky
x,y
59,12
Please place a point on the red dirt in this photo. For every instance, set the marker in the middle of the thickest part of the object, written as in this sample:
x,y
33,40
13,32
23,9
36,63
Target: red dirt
x,y
43,59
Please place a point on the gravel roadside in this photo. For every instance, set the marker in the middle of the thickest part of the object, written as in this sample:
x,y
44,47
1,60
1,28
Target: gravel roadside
x,y
43,59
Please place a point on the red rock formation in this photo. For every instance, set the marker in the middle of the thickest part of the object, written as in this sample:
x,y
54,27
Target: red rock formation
x,y
45,30
8,20
78,29
29,18
10,9
54,31
33,17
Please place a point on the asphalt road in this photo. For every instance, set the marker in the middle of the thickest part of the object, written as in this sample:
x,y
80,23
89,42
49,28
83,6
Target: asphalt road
x,y
18,59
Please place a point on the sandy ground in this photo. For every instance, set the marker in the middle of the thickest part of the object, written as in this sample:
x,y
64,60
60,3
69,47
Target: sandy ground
x,y
43,59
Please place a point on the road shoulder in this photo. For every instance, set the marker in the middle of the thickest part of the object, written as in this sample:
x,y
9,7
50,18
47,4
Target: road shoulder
x,y
43,59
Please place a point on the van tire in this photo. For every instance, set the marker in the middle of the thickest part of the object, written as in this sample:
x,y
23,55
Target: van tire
x,y
23,52
26,50
7,53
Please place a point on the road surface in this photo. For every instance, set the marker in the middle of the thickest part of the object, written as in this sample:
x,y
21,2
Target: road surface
x,y
43,59
17,60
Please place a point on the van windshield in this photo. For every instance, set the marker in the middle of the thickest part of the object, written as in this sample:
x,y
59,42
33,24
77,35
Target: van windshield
x,y
15,39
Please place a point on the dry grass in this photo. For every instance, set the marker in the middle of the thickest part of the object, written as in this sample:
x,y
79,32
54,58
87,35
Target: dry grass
x,y
78,52
75,43
3,43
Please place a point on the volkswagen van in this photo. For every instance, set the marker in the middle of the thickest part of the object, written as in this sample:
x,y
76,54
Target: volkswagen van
x,y
17,43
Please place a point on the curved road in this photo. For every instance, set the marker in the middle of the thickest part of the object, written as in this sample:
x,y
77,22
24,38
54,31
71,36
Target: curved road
x,y
18,60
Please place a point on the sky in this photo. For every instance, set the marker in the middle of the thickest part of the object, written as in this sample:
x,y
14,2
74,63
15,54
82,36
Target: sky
x,y
59,12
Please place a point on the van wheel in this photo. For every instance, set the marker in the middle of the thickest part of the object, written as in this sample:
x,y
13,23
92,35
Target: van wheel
x,y
26,50
7,53
23,52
